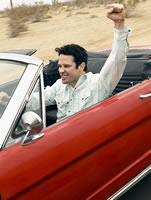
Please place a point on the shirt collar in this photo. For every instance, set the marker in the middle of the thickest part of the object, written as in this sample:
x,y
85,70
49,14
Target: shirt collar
x,y
81,80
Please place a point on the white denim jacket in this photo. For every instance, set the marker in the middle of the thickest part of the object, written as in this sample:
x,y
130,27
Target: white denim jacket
x,y
90,88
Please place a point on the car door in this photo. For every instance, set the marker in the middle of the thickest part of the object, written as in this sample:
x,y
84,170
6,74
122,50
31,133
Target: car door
x,y
87,156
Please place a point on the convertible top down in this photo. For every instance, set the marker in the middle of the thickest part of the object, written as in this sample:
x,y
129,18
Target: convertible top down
x,y
99,153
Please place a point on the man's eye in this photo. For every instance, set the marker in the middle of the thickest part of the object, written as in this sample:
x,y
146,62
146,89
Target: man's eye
x,y
66,66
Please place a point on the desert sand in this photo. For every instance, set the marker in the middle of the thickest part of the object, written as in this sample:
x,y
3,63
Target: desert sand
x,y
88,27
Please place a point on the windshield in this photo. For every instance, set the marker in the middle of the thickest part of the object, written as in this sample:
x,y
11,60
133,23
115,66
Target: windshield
x,y
10,74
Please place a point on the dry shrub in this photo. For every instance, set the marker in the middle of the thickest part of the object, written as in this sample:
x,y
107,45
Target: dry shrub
x,y
68,9
82,13
3,14
19,16
69,14
129,5
93,16
16,27
77,3
39,13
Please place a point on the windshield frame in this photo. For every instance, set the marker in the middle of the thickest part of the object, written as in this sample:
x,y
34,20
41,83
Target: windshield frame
x,y
11,76
19,98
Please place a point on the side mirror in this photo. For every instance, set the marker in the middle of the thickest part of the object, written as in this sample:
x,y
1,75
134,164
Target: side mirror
x,y
33,124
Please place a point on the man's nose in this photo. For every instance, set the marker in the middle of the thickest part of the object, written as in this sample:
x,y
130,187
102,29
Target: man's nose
x,y
61,69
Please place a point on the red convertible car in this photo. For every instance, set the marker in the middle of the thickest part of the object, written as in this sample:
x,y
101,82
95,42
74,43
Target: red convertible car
x,y
103,152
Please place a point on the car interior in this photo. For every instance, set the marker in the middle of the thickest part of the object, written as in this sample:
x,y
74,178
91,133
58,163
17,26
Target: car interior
x,y
138,69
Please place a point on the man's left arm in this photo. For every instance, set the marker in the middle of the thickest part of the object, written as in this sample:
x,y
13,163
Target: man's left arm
x,y
114,67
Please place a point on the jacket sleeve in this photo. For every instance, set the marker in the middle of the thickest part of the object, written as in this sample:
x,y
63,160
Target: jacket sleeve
x,y
49,94
114,66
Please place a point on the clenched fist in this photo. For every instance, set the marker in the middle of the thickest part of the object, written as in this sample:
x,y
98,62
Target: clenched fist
x,y
116,13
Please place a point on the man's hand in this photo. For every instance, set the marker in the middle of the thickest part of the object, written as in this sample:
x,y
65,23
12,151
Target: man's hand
x,y
3,96
116,13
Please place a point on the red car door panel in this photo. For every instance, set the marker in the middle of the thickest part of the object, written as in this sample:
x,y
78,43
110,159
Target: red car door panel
x,y
90,155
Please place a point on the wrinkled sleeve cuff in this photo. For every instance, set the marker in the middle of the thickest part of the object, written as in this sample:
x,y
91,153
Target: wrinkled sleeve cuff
x,y
126,31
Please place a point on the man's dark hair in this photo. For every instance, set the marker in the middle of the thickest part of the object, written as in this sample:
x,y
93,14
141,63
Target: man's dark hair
x,y
79,53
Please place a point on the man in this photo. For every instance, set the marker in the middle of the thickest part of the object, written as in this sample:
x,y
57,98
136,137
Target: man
x,y
77,90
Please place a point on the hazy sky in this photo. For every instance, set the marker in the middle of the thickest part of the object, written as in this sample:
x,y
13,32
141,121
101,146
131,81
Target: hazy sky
x,y
6,3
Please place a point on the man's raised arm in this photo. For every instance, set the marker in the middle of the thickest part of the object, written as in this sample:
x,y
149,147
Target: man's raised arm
x,y
114,66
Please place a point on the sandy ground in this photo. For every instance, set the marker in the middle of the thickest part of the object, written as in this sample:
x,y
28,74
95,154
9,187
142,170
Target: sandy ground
x,y
91,29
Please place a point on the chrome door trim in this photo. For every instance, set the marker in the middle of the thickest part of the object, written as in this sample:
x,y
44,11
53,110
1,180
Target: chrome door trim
x,y
43,99
130,184
143,96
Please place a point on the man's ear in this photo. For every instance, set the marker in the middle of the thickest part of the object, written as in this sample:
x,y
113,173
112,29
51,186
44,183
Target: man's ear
x,y
82,66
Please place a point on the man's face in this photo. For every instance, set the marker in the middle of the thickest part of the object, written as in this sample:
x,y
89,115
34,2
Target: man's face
x,y
68,71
